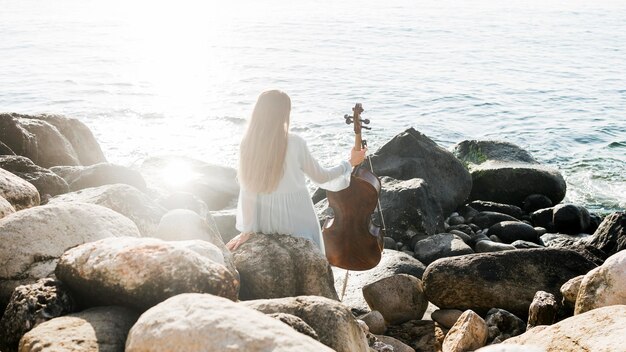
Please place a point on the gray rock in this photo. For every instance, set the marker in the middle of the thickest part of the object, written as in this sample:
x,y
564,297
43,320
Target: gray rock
x,y
502,325
511,210
124,199
519,244
440,246
535,202
47,182
507,280
296,323
141,272
5,150
446,317
412,155
101,329
390,243
31,305
491,246
334,323
542,310
273,266
505,173
375,322
398,298
35,238
486,219
570,219
511,231
5,208
391,263
456,220
610,237
18,192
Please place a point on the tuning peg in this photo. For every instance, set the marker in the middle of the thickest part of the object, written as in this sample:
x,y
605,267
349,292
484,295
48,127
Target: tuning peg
x,y
348,119
365,121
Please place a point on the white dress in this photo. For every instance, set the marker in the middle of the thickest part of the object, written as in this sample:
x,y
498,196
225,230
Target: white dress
x,y
289,209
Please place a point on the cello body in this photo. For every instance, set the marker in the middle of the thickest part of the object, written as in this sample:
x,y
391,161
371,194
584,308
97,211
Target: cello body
x,y
352,241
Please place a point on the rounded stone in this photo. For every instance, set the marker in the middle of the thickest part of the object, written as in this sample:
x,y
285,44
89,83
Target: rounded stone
x,y
398,298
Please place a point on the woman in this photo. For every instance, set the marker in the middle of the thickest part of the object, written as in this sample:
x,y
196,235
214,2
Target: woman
x,y
273,197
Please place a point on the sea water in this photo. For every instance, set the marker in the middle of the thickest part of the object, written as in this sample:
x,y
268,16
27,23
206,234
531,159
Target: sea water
x,y
180,77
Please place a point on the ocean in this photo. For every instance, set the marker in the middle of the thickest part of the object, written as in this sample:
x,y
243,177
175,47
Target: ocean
x,y
180,77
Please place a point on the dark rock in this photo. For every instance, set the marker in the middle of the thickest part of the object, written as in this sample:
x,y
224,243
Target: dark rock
x,y
465,237
37,140
511,231
486,219
543,218
492,246
512,210
594,222
570,218
296,323
542,310
508,280
411,155
466,211
31,305
610,237
575,243
274,266
525,245
440,246
5,150
409,208
47,182
503,325
503,172
419,334
467,229
318,195
478,237
390,243
535,202
540,231
456,220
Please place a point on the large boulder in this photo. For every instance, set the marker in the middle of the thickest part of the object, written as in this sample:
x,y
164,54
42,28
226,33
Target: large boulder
x,y
216,185
273,266
195,322
19,193
124,199
506,280
78,135
610,237
80,177
398,298
334,323
31,305
102,329
35,238
37,140
411,155
391,263
440,246
502,172
47,182
604,285
598,330
141,272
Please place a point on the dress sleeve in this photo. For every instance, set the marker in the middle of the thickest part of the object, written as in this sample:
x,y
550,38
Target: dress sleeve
x,y
333,179
246,211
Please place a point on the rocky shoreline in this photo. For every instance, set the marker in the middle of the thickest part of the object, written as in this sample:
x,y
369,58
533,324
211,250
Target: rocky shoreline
x,y
480,255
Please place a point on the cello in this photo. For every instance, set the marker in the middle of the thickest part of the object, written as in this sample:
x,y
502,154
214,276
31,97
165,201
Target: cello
x,y
352,240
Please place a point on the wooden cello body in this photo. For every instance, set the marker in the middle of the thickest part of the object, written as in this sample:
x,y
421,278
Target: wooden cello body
x,y
352,240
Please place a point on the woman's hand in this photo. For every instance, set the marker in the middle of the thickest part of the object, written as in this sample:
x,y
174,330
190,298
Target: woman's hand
x,y
357,156
238,241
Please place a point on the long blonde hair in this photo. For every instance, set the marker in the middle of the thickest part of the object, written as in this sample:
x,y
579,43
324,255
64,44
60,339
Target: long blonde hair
x,y
264,144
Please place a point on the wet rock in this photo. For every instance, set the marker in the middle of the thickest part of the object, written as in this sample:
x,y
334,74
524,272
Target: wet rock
x,y
491,246
505,173
610,237
418,334
604,285
391,263
468,333
507,280
398,298
333,322
273,266
47,182
5,208
535,202
297,324
601,329
446,317
502,325
511,231
31,305
542,310
569,290
486,219
141,272
440,246
18,192
35,238
570,219
411,155
215,185
375,322
511,210
124,199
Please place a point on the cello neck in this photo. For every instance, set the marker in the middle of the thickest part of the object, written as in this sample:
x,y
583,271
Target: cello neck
x,y
356,119
358,142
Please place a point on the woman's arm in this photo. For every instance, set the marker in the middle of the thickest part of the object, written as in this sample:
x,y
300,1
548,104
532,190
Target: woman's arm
x,y
323,176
